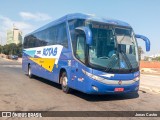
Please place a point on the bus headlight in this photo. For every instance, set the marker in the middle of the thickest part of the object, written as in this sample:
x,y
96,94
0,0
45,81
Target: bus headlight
x,y
137,78
111,82
95,77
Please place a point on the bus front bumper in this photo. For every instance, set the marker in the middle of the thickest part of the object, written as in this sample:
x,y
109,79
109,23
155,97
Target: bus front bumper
x,y
97,87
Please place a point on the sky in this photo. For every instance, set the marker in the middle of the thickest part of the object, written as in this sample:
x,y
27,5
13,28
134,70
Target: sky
x,y
28,15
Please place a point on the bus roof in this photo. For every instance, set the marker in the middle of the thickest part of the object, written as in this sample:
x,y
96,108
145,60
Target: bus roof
x,y
83,16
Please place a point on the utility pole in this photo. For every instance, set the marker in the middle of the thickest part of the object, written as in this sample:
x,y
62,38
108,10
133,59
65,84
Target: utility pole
x,y
1,44
1,40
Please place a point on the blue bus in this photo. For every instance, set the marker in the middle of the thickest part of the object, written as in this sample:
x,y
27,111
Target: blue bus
x,y
86,53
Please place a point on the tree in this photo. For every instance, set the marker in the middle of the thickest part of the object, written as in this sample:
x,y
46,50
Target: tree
x,y
140,52
6,49
12,49
0,49
19,47
157,58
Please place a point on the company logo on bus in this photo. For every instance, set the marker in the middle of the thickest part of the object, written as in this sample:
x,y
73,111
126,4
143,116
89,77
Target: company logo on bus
x,y
50,51
120,82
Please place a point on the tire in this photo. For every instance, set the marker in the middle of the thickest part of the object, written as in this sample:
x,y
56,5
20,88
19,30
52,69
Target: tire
x,y
64,83
30,72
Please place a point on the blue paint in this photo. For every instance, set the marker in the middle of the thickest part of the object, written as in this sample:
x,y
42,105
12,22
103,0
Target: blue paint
x,y
82,16
76,66
88,34
147,41
50,51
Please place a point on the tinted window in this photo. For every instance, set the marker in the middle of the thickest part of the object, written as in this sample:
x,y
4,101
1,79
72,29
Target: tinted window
x,y
72,25
80,48
50,36
62,35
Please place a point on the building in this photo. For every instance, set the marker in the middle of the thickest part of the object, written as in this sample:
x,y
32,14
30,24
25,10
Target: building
x,y
14,36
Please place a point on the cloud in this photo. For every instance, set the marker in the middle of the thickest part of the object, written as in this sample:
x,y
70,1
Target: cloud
x,y
25,26
35,16
7,23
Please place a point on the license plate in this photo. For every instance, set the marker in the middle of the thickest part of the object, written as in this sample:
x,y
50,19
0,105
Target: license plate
x,y
119,89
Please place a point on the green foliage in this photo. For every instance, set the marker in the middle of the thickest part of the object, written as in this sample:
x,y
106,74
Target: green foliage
x,y
11,49
0,49
140,51
156,59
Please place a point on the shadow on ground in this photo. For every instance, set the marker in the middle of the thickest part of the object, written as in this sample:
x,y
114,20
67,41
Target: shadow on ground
x,y
91,98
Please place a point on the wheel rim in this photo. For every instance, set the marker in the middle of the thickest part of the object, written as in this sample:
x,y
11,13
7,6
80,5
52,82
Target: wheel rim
x,y
29,71
64,81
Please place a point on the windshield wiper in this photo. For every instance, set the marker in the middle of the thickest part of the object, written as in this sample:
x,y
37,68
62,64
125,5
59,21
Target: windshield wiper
x,y
126,60
112,62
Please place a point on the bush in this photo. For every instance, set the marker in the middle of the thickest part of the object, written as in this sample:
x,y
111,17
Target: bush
x,y
11,49
157,58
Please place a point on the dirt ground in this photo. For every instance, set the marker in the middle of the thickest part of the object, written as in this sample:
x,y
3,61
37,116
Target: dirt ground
x,y
149,64
150,67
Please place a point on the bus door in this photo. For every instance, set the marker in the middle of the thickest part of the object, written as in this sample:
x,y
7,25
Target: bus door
x,y
79,63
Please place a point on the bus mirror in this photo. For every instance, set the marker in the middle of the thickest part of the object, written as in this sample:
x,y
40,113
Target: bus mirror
x,y
147,41
88,34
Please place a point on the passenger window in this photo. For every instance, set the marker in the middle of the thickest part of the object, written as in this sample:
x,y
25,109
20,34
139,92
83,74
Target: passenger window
x,y
62,35
80,48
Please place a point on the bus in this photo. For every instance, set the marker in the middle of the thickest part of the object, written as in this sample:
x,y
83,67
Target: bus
x,y
87,53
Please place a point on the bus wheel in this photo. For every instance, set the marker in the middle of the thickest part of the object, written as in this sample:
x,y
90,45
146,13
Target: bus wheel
x,y
30,72
64,83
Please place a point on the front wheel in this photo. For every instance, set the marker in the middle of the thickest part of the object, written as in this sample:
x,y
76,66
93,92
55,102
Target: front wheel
x,y
30,72
64,83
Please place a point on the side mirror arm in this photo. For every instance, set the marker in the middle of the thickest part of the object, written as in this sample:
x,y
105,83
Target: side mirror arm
x,y
147,41
88,34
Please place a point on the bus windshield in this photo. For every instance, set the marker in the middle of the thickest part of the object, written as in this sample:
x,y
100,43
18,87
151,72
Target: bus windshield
x,y
113,48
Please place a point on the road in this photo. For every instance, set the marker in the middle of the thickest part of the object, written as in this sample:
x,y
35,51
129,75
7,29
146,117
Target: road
x,y
151,83
19,93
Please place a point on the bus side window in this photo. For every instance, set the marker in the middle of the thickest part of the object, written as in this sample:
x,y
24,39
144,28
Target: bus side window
x,y
62,35
80,48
